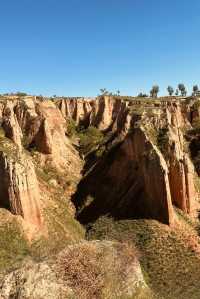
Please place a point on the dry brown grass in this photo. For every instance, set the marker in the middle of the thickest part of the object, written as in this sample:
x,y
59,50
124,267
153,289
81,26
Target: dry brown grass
x,y
83,271
94,270
170,257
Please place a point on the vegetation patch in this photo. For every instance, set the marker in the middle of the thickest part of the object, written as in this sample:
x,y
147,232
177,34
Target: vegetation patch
x,y
163,139
193,138
13,245
47,173
71,129
169,257
90,139
62,228
8,147
196,105
152,133
137,110
196,128
25,141
97,270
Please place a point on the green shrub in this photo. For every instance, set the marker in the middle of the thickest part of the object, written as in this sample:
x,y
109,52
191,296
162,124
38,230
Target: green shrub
x,y
2,132
162,139
21,94
13,245
196,127
196,104
25,141
90,138
101,150
167,255
71,127
196,161
192,137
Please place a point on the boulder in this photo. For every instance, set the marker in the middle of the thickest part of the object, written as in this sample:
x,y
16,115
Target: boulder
x,y
85,270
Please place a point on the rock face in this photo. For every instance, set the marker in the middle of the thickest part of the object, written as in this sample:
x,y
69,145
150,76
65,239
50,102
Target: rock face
x,y
104,113
34,281
132,181
147,173
181,176
31,125
44,129
19,191
87,270
10,125
181,170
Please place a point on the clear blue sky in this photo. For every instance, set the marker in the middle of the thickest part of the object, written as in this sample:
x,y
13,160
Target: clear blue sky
x,y
76,47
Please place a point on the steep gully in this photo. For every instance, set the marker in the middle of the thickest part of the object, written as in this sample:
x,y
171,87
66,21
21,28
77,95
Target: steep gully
x,y
135,179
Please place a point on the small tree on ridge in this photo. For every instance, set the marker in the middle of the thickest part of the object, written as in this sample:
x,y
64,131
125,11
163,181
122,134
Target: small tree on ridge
x,y
170,90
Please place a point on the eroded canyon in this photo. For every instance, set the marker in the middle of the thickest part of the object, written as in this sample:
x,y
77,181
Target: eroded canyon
x,y
124,171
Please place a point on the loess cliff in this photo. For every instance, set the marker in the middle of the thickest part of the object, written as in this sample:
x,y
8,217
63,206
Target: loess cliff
x,y
82,168
146,168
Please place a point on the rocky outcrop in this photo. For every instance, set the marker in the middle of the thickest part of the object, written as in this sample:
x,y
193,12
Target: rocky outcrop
x,y
51,139
78,109
109,113
87,270
104,113
181,170
181,174
132,181
170,126
39,125
127,182
33,134
34,281
10,124
19,191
